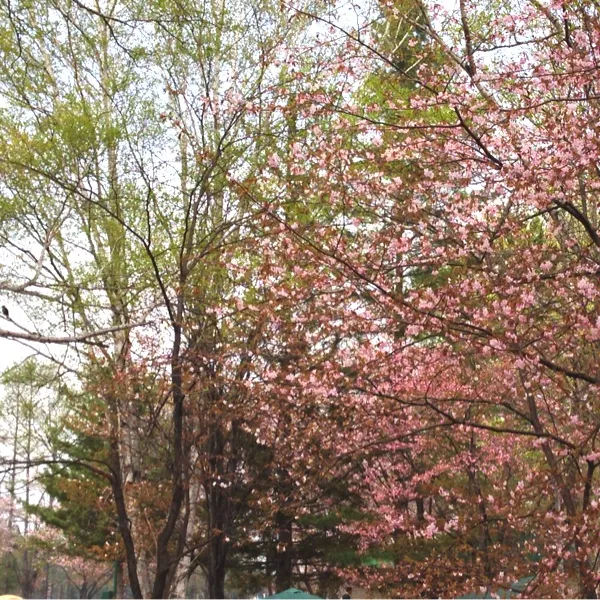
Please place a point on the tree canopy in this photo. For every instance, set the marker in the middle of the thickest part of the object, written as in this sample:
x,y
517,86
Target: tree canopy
x,y
310,291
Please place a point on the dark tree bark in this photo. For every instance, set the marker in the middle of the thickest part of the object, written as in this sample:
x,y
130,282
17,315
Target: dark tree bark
x,y
283,556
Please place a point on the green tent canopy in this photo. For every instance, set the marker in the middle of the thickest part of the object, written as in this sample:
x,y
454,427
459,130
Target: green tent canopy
x,y
293,593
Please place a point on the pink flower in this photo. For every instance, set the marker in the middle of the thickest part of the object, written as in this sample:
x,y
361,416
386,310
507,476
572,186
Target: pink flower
x,y
273,161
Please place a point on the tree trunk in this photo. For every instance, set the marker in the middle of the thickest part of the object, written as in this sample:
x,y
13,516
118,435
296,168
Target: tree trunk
x,y
29,575
283,556
216,567
182,574
163,554
123,520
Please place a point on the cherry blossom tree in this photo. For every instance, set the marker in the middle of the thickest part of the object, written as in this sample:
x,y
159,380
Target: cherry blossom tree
x,y
469,253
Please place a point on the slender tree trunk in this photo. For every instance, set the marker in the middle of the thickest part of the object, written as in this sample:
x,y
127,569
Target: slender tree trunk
x,y
28,580
163,556
217,503
182,574
420,502
12,487
283,555
124,523
30,572
216,570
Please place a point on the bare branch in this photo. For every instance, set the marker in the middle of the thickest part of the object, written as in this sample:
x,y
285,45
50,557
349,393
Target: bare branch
x,y
73,339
